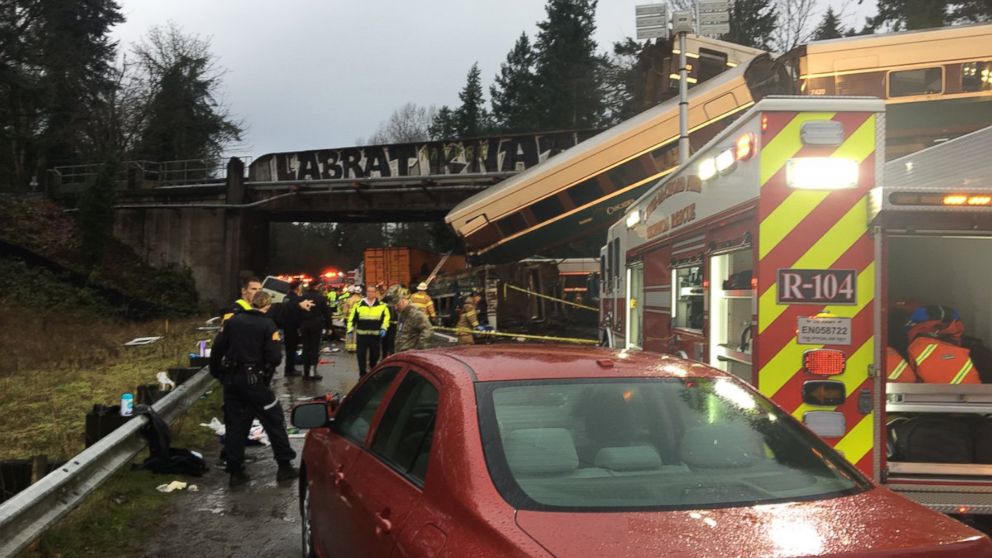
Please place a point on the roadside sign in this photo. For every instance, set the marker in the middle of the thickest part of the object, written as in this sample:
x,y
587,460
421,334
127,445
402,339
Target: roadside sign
x,y
652,21
714,17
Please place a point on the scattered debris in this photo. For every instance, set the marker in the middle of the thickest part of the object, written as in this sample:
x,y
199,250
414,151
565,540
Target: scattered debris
x,y
165,382
174,486
216,425
138,341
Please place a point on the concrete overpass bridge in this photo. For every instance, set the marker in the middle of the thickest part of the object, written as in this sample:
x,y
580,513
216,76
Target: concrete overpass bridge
x,y
216,221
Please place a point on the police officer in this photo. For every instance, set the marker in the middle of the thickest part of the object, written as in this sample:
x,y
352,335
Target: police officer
x,y
249,286
244,353
369,320
312,325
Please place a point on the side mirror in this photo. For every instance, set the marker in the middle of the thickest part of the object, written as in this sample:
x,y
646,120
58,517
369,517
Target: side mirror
x,y
310,415
334,402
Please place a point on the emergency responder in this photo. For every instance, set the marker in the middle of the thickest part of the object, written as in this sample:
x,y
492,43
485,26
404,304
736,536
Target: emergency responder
x,y
244,353
346,308
332,298
423,302
312,326
289,319
369,320
389,341
413,330
249,286
468,320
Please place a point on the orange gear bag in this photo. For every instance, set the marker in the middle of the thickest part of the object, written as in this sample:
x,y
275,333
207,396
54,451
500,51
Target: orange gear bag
x,y
941,362
898,369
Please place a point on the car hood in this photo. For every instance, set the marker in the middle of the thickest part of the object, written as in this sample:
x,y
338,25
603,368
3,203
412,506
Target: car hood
x,y
876,523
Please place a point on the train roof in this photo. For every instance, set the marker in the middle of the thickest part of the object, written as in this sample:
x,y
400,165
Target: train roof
x,y
590,146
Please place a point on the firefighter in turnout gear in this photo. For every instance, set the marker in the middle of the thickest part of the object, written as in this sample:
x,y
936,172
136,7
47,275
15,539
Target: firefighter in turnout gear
x,y
422,301
346,307
244,353
369,321
468,320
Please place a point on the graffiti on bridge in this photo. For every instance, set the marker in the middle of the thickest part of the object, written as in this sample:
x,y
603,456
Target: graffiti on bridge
x,y
475,156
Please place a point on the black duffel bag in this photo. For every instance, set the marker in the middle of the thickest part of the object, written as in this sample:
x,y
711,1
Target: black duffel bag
x,y
931,439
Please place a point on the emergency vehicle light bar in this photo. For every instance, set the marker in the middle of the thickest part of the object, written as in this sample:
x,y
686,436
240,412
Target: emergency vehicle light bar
x,y
726,161
936,198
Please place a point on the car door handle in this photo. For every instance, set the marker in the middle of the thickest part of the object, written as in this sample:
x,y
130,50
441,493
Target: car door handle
x,y
382,523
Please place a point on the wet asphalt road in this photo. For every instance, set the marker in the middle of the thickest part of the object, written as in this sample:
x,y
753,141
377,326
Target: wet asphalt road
x,y
258,520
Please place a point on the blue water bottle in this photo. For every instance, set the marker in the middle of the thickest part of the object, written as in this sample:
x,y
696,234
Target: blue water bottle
x,y
127,405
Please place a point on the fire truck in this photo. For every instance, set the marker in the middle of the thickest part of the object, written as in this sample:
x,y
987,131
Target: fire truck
x,y
774,254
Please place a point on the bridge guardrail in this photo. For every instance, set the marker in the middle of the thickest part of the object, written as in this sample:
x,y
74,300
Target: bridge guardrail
x,y
37,508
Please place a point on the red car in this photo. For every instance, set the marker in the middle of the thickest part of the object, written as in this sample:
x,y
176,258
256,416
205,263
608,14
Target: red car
x,y
558,451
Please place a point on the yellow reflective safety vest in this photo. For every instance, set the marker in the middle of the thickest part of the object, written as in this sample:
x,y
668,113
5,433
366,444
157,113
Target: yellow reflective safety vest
x,y
242,303
422,301
368,319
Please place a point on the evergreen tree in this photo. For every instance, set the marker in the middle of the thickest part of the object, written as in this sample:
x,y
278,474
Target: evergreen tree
x,y
752,23
899,15
55,71
472,118
512,93
974,11
185,119
636,78
568,72
444,125
830,27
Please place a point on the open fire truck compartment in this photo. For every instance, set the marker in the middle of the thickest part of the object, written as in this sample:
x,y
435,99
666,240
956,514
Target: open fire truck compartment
x,y
786,239
933,219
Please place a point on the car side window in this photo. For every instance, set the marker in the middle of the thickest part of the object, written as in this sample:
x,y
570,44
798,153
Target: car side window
x,y
403,438
354,419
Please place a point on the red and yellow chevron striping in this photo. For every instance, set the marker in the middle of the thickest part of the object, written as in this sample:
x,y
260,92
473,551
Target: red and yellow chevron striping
x,y
816,229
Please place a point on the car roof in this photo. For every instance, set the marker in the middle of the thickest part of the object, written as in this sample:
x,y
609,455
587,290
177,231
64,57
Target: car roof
x,y
494,363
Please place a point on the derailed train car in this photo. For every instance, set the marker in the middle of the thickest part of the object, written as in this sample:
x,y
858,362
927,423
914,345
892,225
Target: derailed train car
x,y
520,297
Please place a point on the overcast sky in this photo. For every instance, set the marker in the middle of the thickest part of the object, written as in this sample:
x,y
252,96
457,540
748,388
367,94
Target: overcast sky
x,y
308,74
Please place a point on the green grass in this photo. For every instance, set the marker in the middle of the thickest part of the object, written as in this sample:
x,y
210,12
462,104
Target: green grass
x,y
118,518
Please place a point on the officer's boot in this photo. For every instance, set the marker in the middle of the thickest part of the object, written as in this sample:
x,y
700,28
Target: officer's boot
x,y
287,472
238,478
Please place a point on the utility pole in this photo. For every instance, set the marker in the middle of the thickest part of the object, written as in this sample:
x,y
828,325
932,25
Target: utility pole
x,y
682,26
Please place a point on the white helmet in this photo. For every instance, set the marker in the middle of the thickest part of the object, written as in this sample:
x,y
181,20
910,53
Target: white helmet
x,y
422,287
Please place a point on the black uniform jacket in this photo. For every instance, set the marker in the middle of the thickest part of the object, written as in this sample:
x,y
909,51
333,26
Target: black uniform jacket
x,y
249,337
319,315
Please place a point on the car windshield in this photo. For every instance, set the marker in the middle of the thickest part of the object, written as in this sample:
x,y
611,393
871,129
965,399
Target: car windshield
x,y
635,444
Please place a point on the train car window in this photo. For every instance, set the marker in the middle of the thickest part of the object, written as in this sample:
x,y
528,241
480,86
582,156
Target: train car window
x,y
711,63
548,208
585,192
626,174
870,84
923,81
511,224
976,76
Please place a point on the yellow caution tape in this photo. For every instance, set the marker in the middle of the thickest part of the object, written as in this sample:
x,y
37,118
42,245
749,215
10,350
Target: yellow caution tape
x,y
539,295
462,330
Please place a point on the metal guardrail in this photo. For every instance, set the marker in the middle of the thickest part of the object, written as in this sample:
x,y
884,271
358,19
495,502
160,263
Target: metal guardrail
x,y
37,508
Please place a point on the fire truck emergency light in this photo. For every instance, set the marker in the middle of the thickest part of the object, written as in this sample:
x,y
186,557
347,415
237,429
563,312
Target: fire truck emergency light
x,y
742,150
824,362
821,173
930,198
633,218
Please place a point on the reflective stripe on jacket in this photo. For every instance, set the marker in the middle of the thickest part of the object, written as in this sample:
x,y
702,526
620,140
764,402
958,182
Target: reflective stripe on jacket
x,y
368,319
422,301
940,362
897,369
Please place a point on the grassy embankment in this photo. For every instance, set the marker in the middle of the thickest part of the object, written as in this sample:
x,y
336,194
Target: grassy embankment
x,y
64,322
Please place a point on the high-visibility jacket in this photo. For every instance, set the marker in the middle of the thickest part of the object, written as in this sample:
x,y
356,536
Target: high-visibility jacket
x,y
423,302
940,362
348,304
898,369
240,305
368,319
